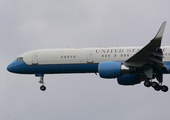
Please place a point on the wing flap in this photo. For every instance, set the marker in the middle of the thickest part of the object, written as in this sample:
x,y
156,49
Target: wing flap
x,y
156,60
157,54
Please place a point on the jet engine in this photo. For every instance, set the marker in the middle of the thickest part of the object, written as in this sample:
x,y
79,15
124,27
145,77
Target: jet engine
x,y
129,79
113,69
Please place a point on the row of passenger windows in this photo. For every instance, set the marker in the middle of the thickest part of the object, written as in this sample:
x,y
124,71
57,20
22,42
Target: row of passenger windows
x,y
71,56
127,55
167,54
122,55
107,55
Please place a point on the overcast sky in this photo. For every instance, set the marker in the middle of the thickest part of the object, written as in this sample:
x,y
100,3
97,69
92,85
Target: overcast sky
x,y
36,24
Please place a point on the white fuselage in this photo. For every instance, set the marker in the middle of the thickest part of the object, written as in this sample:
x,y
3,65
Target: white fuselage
x,y
83,55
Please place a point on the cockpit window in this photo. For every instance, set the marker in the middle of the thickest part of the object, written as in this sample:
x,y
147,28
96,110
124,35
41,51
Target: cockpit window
x,y
19,58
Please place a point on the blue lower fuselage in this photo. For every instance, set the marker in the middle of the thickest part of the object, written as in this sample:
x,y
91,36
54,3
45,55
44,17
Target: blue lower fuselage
x,y
22,68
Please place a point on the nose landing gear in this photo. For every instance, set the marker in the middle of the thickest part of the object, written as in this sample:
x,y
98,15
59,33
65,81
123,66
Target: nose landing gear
x,y
42,87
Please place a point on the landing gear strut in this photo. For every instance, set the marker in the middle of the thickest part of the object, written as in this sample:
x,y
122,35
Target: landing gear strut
x,y
42,87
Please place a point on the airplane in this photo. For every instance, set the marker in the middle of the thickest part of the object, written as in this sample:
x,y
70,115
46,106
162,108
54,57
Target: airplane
x,y
130,65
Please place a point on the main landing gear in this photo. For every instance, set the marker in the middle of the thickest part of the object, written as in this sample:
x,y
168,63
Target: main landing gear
x,y
156,86
42,87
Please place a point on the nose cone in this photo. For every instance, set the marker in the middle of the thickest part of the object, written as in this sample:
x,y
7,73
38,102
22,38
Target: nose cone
x,y
17,66
11,67
14,67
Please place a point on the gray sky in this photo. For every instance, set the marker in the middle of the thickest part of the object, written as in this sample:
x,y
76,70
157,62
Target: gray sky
x,y
37,24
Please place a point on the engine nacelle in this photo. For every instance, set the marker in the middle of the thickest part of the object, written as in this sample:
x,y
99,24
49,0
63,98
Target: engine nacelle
x,y
113,69
129,79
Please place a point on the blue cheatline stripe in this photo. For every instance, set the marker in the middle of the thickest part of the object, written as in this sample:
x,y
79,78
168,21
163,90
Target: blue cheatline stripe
x,y
22,68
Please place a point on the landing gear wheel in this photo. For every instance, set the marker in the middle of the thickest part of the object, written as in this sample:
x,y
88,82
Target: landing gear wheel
x,y
43,88
155,85
158,88
147,83
164,88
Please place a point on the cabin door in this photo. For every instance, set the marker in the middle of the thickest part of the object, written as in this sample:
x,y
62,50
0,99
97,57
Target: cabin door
x,y
35,58
90,56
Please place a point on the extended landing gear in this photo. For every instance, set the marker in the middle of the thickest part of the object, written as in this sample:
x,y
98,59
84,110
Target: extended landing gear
x,y
156,86
42,87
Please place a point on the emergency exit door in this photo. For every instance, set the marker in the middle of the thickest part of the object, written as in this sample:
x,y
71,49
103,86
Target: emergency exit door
x,y
35,58
90,56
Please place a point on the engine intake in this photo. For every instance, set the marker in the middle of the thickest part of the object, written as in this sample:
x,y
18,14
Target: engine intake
x,y
113,69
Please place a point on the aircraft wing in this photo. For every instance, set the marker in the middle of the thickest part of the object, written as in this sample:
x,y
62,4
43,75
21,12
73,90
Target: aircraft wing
x,y
150,55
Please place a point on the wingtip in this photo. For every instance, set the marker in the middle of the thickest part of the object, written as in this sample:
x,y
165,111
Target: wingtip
x,y
159,34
